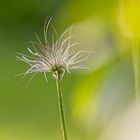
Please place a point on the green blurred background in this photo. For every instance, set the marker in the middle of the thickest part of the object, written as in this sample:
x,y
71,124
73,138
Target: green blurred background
x,y
96,102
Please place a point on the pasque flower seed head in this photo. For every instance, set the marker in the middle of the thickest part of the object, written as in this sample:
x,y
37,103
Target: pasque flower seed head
x,y
57,57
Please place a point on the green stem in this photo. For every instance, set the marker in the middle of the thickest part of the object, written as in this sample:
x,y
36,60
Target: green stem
x,y
61,108
136,67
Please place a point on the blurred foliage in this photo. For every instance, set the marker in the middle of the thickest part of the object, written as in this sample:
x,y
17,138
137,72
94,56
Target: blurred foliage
x,y
129,17
95,101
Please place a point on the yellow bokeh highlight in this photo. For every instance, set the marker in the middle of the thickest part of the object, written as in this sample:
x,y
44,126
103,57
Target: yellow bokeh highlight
x,y
129,17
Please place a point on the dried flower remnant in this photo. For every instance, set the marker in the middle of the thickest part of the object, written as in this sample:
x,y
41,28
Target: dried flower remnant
x,y
58,57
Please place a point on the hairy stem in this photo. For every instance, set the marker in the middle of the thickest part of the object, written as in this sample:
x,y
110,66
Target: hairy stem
x,y
61,108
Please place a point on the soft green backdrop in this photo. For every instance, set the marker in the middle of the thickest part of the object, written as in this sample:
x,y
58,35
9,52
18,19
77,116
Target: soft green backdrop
x,y
93,101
